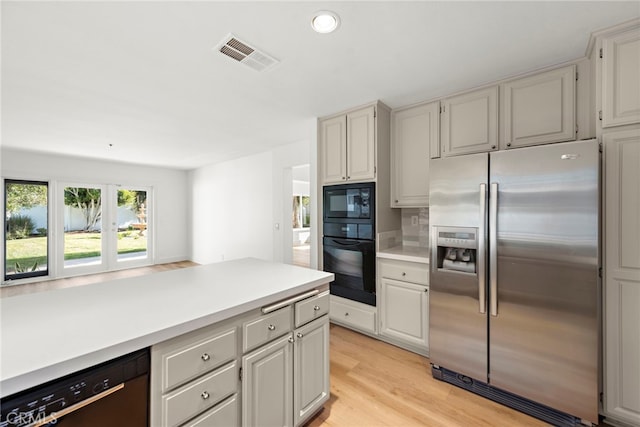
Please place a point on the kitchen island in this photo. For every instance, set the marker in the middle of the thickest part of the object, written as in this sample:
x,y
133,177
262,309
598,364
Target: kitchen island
x,y
51,334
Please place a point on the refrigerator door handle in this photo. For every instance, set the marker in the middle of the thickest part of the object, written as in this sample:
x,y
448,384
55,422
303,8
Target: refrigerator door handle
x,y
493,249
482,285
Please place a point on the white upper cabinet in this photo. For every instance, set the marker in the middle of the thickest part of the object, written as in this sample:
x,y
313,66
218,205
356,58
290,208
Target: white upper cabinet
x,y
361,148
620,78
333,142
347,147
539,109
470,122
415,139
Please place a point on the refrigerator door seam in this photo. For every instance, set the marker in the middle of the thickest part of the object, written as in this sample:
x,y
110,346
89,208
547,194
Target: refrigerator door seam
x,y
493,249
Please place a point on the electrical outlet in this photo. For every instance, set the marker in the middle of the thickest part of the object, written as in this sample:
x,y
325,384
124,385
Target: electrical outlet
x,y
414,220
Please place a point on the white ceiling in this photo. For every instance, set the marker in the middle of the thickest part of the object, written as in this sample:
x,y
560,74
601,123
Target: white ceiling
x,y
143,76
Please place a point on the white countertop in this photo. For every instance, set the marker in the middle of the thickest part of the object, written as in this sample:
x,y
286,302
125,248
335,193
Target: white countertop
x,y
46,335
406,253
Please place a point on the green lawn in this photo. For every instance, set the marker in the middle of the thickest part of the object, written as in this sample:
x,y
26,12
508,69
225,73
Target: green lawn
x,y
77,245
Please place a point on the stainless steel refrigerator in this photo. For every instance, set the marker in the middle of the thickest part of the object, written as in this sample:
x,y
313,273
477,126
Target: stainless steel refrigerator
x,y
514,277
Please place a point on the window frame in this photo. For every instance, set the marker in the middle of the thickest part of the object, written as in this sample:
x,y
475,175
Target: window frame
x,y
29,274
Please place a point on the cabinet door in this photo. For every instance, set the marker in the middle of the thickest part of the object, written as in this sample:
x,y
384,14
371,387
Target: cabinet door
x,y
404,308
333,149
621,85
267,385
539,109
622,276
311,368
415,130
361,158
470,122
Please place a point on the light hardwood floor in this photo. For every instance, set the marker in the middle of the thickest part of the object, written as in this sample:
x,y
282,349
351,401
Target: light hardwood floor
x,y
28,288
301,255
377,384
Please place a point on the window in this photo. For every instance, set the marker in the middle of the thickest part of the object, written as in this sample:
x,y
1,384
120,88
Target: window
x,y
301,212
61,229
26,229
132,221
82,243
105,227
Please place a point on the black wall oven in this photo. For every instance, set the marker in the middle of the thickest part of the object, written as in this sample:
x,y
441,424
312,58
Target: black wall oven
x,y
349,240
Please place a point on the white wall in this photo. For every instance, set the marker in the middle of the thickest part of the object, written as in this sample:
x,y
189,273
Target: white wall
x,y
231,205
170,191
236,205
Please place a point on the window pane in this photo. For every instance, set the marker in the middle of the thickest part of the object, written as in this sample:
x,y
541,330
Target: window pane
x,y
82,226
132,218
26,242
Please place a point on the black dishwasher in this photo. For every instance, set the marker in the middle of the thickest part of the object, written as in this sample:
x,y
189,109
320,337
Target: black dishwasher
x,y
114,393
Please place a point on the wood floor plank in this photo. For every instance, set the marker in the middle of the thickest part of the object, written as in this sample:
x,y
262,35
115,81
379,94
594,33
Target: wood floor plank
x,y
69,282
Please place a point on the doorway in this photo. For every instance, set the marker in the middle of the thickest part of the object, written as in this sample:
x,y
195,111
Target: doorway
x,y
301,215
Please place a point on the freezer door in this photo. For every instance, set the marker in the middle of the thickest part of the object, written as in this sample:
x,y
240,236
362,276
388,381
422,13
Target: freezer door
x,y
544,333
457,324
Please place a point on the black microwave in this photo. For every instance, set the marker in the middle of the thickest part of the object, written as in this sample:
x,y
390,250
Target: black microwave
x,y
349,202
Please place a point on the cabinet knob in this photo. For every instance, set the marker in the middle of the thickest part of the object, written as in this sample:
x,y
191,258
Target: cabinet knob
x,y
404,274
204,395
299,335
344,177
205,357
271,327
508,144
346,314
396,201
348,177
426,290
493,147
290,339
316,307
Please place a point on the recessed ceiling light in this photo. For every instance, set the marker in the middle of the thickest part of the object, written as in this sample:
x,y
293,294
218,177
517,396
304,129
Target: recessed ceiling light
x,y
325,22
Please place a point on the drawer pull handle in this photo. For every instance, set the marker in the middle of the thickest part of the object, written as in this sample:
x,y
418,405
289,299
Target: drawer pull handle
x,y
299,335
205,357
271,327
316,307
204,395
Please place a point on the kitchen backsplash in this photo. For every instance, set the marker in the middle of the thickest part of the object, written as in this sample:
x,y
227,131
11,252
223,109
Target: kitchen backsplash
x,y
415,227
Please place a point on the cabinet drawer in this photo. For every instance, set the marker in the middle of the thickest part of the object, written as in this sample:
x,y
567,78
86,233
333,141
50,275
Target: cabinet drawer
x,y
312,308
225,414
349,315
266,328
195,359
196,397
405,271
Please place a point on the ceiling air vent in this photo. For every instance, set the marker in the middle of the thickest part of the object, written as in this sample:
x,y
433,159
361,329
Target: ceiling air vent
x,y
236,49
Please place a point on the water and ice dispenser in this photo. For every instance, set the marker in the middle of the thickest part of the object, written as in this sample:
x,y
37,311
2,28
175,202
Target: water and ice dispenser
x,y
456,249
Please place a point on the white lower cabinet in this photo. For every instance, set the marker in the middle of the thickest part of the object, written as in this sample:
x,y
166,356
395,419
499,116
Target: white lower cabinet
x,y
404,304
255,369
182,404
310,369
287,381
267,385
225,414
622,277
353,314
